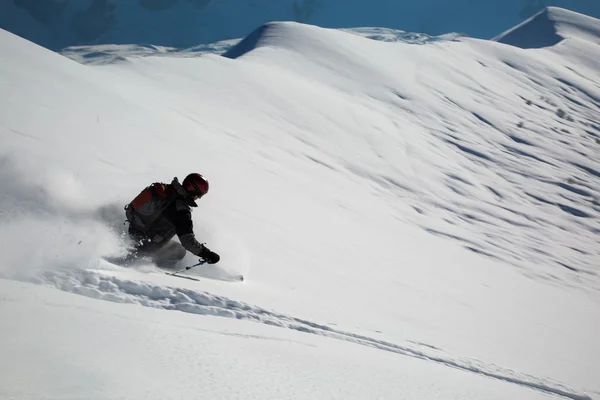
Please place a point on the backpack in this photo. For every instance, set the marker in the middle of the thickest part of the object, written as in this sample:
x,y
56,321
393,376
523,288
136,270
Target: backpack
x,y
149,205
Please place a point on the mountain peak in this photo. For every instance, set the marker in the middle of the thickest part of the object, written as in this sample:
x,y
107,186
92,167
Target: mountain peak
x,y
551,26
291,35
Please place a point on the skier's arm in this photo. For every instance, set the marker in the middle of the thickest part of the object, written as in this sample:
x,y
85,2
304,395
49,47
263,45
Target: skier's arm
x,y
184,228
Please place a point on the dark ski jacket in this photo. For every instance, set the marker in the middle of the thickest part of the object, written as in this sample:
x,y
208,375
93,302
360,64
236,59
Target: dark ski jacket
x,y
175,219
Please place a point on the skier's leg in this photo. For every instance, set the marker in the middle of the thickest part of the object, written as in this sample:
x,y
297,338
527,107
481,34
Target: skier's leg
x,y
169,254
141,246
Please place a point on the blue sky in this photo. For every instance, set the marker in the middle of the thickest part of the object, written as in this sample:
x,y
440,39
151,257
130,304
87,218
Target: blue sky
x,y
184,23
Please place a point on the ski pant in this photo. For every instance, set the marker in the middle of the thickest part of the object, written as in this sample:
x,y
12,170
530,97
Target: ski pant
x,y
163,254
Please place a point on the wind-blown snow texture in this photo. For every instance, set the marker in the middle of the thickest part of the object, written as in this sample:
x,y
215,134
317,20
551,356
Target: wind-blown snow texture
x,y
439,209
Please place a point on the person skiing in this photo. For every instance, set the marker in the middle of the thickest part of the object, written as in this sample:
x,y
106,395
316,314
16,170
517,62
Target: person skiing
x,y
162,211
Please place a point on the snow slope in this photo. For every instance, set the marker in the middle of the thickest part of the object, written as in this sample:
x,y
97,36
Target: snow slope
x,y
99,350
422,227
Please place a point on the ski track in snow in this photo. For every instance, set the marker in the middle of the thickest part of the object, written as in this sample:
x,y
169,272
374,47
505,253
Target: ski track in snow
x,y
98,285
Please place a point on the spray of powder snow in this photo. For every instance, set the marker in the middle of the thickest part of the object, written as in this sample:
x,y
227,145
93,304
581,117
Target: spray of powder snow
x,y
47,222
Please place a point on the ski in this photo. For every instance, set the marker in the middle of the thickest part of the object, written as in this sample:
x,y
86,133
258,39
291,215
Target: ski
x,y
232,278
236,278
182,276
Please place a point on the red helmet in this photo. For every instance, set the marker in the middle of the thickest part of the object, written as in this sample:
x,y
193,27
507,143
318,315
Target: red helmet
x,y
196,185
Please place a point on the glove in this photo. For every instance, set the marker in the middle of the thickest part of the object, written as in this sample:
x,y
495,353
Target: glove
x,y
209,256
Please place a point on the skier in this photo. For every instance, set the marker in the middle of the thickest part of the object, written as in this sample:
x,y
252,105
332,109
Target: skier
x,y
162,211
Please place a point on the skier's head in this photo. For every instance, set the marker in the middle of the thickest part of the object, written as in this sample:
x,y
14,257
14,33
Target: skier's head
x,y
195,185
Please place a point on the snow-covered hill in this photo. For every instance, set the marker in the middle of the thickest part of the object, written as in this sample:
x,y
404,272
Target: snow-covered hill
x,y
185,23
425,226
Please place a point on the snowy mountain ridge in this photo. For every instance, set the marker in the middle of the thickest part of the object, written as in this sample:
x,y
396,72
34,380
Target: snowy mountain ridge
x,y
396,219
517,150
107,54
